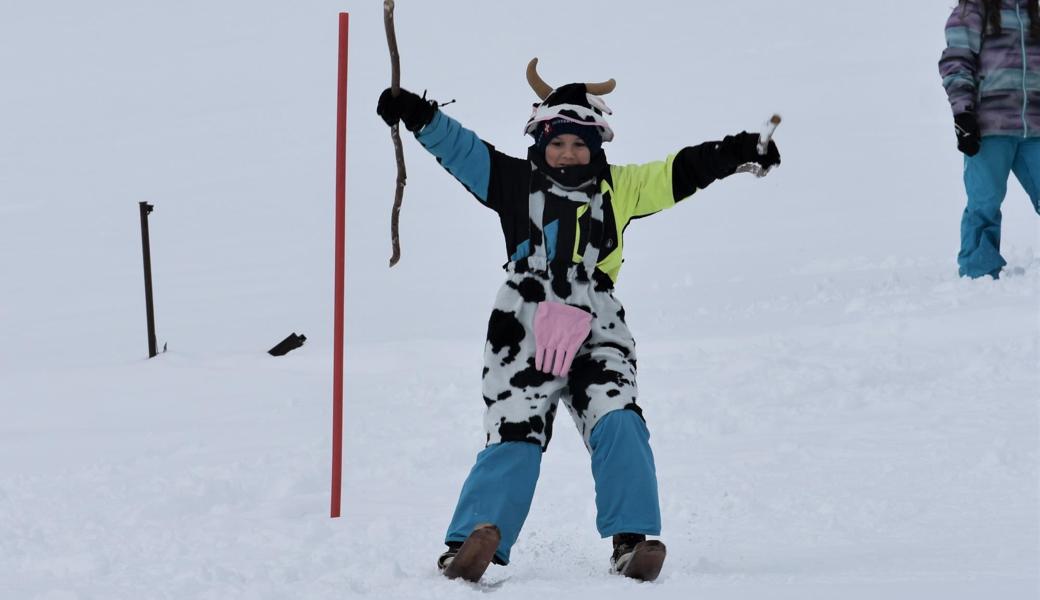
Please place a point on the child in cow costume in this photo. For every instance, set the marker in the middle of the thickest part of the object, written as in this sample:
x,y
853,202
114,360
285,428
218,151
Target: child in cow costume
x,y
557,332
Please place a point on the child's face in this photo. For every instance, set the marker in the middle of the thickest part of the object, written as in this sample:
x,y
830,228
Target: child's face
x,y
567,150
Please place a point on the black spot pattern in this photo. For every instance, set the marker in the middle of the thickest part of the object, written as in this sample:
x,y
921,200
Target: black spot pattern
x,y
530,377
504,331
550,418
586,372
522,431
531,290
536,234
561,287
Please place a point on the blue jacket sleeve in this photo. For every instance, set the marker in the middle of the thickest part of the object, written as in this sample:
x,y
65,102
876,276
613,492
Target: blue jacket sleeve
x,y
460,151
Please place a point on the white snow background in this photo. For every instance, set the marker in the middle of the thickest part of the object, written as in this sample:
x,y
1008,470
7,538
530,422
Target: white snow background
x,y
834,413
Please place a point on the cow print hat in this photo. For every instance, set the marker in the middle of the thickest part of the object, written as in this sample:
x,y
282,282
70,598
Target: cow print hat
x,y
572,108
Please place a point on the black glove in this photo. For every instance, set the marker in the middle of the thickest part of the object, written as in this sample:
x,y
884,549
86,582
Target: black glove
x,y
416,112
967,127
696,167
743,148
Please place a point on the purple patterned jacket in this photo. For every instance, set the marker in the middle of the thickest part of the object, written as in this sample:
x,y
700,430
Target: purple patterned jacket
x,y
996,76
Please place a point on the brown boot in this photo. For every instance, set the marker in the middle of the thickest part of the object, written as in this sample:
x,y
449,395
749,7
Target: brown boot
x,y
636,557
470,559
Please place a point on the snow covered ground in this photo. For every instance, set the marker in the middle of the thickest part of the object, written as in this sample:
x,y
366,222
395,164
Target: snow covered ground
x,y
834,413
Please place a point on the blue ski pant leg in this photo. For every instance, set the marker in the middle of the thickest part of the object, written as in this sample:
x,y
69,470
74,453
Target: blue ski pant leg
x,y
498,490
985,180
625,475
1027,169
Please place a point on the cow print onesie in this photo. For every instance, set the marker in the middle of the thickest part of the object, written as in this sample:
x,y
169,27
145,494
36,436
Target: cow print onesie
x,y
521,400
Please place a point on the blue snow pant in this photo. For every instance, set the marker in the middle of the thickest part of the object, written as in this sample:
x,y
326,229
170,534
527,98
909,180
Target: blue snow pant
x,y
501,484
985,179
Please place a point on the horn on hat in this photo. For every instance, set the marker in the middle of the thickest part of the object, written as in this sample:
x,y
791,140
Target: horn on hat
x,y
544,89
537,83
599,89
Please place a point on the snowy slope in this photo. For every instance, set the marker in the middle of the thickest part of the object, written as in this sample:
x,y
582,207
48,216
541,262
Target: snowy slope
x,y
834,413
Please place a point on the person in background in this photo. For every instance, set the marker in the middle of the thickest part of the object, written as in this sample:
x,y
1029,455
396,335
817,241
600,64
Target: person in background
x,y
991,72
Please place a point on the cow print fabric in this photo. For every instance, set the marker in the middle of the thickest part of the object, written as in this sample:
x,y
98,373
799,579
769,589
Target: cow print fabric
x,y
521,400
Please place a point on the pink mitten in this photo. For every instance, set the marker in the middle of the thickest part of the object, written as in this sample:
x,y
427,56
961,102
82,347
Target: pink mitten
x,y
559,330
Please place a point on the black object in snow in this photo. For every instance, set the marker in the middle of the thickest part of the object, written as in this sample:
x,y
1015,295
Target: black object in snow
x,y
288,344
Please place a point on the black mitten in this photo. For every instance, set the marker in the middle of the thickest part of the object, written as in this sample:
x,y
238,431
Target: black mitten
x,y
696,167
416,112
743,148
967,127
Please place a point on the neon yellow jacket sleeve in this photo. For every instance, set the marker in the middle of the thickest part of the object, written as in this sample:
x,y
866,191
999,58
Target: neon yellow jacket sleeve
x,y
641,190
635,191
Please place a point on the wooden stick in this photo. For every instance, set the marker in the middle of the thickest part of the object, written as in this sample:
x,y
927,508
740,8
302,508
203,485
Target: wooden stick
x,y
395,89
767,134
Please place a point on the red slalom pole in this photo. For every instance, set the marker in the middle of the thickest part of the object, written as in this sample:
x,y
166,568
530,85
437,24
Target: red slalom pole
x,y
341,234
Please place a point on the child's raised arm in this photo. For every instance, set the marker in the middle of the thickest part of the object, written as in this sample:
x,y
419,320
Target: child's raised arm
x,y
460,151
